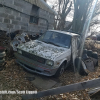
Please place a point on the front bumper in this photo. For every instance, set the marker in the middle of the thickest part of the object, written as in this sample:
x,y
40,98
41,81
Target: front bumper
x,y
34,66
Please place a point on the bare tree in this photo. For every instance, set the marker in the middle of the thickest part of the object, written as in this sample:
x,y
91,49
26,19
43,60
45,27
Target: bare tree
x,y
95,20
95,23
81,10
63,7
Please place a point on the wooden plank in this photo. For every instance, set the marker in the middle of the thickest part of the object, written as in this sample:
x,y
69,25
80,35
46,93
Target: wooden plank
x,y
65,89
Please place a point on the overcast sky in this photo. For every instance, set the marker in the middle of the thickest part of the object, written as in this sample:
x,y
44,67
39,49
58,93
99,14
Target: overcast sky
x,y
50,2
69,18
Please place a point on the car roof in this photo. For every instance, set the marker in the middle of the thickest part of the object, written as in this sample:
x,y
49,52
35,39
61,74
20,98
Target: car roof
x,y
64,32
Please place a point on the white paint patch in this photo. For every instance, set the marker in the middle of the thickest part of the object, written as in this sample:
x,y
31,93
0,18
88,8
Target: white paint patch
x,y
42,49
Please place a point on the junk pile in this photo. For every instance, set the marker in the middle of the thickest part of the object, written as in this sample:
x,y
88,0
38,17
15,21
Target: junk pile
x,y
21,37
11,40
2,58
87,63
9,43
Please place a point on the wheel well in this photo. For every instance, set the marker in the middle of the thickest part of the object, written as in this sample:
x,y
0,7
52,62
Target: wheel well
x,y
65,62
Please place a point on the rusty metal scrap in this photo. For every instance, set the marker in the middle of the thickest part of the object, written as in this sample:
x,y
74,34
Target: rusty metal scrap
x,y
19,39
22,38
11,40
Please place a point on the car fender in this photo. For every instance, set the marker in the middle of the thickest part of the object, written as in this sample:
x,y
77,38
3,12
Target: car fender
x,y
59,63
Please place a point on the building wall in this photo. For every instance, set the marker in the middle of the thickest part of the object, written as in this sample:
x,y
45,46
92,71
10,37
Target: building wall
x,y
15,15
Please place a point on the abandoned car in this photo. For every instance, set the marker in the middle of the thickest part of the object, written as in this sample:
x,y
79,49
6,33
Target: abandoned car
x,y
50,54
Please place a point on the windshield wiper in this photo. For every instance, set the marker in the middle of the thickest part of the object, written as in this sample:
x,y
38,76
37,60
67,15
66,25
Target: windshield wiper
x,y
53,44
45,41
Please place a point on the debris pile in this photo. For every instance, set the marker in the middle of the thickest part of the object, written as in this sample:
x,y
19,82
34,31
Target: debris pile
x,y
11,40
19,39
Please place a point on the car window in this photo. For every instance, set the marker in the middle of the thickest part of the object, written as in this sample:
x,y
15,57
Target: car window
x,y
56,38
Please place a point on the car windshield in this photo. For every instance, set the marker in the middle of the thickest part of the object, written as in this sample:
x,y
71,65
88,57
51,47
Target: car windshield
x,y
56,38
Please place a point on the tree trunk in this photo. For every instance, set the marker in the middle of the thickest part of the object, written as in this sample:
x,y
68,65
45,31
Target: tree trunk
x,y
81,8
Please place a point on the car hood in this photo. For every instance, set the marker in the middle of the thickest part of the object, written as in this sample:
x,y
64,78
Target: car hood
x,y
42,49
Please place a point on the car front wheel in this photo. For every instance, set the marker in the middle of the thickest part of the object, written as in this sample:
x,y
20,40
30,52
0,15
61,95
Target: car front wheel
x,y
60,70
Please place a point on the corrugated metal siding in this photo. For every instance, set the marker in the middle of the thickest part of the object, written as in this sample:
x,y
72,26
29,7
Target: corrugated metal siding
x,y
42,4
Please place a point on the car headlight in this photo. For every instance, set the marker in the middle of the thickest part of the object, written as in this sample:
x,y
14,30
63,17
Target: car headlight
x,y
19,51
49,62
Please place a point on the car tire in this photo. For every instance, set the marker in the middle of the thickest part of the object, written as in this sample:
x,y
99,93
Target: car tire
x,y
60,70
89,53
3,54
95,55
2,61
79,66
85,51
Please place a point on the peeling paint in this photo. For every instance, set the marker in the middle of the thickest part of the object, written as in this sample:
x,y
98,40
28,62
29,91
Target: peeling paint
x,y
42,49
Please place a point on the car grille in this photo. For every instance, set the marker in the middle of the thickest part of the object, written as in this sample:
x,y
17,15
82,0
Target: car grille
x,y
34,57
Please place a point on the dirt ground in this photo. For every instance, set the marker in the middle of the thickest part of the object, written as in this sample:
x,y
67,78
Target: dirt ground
x,y
13,78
